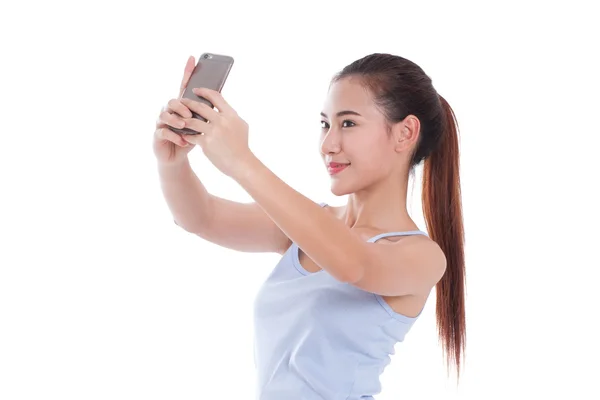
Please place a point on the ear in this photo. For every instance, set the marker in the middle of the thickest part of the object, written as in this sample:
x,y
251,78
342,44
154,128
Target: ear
x,y
406,133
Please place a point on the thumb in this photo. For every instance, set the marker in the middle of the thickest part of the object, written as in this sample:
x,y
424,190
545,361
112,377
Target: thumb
x,y
187,73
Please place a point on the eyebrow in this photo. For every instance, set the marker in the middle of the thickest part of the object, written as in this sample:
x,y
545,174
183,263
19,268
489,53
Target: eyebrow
x,y
342,113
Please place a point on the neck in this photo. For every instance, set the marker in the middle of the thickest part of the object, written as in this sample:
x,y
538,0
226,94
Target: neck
x,y
381,206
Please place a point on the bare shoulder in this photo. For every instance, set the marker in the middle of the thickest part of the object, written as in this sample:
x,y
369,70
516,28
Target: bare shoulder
x,y
429,256
432,254
410,265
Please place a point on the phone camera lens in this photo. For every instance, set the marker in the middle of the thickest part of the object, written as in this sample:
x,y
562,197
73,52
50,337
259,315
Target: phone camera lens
x,y
207,56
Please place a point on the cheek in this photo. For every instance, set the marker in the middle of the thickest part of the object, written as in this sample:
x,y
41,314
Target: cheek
x,y
373,157
378,167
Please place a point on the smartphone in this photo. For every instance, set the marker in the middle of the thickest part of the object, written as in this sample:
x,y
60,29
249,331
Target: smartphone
x,y
211,72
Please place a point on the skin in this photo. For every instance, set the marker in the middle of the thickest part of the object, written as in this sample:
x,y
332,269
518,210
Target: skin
x,y
402,269
377,178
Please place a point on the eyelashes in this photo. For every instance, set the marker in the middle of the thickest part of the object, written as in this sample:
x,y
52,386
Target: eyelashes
x,y
325,125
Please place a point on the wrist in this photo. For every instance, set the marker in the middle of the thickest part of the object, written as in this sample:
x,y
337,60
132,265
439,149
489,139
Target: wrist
x,y
246,167
173,168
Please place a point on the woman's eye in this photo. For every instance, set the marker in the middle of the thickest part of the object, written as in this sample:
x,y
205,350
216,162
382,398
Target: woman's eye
x,y
345,124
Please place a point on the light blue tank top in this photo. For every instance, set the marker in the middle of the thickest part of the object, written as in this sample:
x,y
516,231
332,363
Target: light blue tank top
x,y
318,338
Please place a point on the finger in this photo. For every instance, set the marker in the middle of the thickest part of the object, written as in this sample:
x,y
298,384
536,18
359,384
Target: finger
x,y
169,119
198,125
165,133
195,139
187,73
201,109
175,105
215,98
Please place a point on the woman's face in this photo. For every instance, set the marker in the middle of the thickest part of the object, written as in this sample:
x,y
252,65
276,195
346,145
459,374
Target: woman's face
x,y
356,147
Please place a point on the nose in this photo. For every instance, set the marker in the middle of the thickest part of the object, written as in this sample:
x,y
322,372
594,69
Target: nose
x,y
330,143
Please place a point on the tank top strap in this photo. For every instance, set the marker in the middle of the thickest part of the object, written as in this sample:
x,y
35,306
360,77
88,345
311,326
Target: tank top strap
x,y
388,234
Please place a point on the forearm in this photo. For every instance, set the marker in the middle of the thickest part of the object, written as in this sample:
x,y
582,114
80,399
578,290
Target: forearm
x,y
324,238
186,196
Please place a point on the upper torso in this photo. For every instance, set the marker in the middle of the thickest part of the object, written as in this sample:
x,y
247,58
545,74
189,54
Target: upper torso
x,y
318,338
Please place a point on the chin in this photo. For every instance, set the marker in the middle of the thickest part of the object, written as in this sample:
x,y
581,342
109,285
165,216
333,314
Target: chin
x,y
338,192
343,185
341,188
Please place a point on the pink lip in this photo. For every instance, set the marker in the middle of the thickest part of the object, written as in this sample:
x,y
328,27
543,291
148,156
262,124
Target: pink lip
x,y
334,168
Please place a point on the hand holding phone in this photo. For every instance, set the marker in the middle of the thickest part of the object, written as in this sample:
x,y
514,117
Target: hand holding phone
x,y
211,72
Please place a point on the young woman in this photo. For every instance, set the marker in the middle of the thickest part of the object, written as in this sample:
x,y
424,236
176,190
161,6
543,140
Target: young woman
x,y
352,280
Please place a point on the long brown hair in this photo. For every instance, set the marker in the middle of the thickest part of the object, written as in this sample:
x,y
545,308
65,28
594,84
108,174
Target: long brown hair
x,y
401,88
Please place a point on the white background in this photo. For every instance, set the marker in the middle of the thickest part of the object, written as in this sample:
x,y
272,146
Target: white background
x,y
103,297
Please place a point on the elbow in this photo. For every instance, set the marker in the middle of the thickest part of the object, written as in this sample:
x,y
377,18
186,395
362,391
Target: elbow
x,y
363,257
196,228
355,267
198,222
353,276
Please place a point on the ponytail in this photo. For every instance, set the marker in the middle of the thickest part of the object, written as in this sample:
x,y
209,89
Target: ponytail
x,y
442,208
